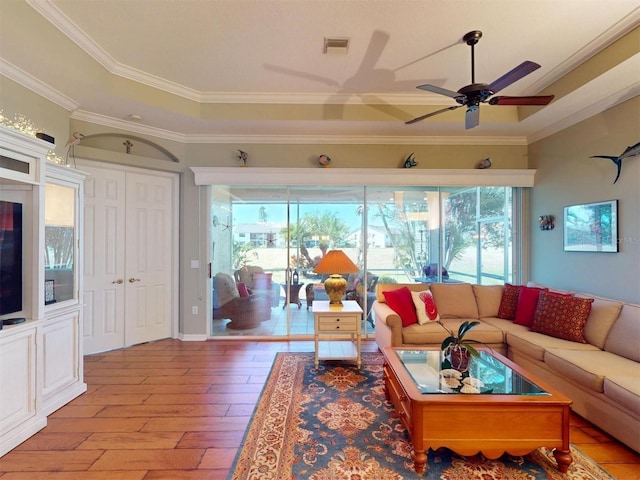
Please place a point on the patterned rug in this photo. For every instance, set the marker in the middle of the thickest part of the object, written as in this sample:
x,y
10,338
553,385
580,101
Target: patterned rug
x,y
334,423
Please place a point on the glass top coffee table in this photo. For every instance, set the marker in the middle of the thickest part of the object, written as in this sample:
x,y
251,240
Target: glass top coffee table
x,y
493,408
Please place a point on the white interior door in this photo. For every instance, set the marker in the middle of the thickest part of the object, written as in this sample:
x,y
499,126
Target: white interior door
x,y
104,257
129,226
148,266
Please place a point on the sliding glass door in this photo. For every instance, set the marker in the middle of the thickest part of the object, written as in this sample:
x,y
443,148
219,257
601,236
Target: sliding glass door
x,y
268,240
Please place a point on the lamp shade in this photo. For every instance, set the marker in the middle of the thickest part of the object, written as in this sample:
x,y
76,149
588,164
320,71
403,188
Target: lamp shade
x,y
334,263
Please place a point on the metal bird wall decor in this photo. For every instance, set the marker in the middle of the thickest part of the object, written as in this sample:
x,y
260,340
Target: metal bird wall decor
x,y
410,162
631,151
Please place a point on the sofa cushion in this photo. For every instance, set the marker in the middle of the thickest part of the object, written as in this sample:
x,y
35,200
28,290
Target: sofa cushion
x,y
624,390
505,325
527,303
601,318
433,333
426,308
224,289
509,301
384,287
562,316
455,300
534,344
401,302
588,369
488,298
262,281
624,337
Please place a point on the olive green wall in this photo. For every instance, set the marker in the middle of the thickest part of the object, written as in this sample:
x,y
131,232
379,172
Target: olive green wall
x,y
567,176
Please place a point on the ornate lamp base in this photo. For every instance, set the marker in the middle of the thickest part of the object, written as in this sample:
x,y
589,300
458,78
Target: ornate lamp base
x,y
336,287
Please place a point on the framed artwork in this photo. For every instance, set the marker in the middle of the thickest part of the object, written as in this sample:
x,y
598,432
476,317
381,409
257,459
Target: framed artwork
x,y
49,292
591,227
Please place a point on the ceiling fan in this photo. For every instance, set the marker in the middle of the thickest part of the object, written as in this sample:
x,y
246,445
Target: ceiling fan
x,y
474,94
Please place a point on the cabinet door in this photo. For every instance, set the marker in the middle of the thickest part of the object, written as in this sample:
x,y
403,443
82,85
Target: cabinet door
x,y
61,245
61,361
17,379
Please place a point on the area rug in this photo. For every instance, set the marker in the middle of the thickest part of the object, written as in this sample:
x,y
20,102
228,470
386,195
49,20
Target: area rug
x,y
334,423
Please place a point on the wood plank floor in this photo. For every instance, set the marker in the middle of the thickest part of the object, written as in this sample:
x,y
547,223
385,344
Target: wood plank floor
x,y
178,410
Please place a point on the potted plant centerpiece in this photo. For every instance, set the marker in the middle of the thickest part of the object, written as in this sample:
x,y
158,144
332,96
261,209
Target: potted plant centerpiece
x,y
457,349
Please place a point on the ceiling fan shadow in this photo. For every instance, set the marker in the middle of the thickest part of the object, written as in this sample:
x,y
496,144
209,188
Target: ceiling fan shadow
x,y
367,78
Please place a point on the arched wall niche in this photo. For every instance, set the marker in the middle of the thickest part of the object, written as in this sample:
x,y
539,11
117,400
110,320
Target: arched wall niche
x,y
117,142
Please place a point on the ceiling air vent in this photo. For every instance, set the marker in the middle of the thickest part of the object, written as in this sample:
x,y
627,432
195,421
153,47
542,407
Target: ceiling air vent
x,y
336,46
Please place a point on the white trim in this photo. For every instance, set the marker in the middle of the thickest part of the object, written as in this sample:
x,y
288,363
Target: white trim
x,y
192,337
30,82
84,116
175,247
362,177
357,139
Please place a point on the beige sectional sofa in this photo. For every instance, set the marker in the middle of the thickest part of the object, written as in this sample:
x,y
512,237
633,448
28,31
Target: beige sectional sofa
x,y
602,377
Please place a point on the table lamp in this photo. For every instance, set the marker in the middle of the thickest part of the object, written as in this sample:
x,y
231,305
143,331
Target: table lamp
x,y
334,263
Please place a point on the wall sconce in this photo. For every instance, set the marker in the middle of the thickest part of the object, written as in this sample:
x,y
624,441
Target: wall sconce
x,y
546,222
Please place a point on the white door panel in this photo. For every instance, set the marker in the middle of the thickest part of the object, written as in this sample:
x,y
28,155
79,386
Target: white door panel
x,y
128,264
149,264
104,260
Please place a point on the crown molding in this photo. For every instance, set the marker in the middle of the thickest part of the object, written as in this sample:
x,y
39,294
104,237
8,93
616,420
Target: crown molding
x,y
134,127
591,49
57,18
615,86
356,140
293,139
30,82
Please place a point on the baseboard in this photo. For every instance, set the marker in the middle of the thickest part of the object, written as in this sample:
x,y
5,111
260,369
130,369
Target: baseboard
x,y
186,337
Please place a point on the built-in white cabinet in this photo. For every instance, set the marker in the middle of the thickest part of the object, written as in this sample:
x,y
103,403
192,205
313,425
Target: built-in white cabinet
x,y
41,364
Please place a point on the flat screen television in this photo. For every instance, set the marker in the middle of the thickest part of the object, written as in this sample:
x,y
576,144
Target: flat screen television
x,y
10,257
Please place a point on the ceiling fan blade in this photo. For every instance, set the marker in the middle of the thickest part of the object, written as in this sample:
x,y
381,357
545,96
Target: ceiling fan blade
x,y
440,90
522,70
472,117
536,100
418,119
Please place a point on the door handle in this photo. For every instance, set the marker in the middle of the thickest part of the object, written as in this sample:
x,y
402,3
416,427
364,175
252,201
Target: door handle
x,y
118,281
132,280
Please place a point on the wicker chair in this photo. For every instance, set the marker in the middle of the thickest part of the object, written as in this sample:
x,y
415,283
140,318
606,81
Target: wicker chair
x,y
244,312
257,281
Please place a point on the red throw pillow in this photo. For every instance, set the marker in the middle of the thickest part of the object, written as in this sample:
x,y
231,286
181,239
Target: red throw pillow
x,y
562,316
509,301
242,289
527,303
401,302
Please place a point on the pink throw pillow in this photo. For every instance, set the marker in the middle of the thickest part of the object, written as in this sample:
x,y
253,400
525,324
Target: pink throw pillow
x,y
242,289
527,303
262,281
401,302
509,301
430,306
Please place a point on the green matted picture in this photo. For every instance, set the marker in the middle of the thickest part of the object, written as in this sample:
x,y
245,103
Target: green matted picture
x,y
591,227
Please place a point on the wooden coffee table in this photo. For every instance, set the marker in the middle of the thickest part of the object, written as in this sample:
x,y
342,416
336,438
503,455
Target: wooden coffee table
x,y
514,412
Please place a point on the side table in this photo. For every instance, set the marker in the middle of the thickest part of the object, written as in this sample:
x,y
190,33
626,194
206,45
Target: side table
x,y
292,291
332,323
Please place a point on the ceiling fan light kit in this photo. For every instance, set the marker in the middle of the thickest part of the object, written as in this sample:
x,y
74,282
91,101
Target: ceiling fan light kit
x,y
474,94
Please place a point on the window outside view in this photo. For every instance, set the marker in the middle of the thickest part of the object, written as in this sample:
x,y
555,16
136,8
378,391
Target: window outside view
x,y
395,235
